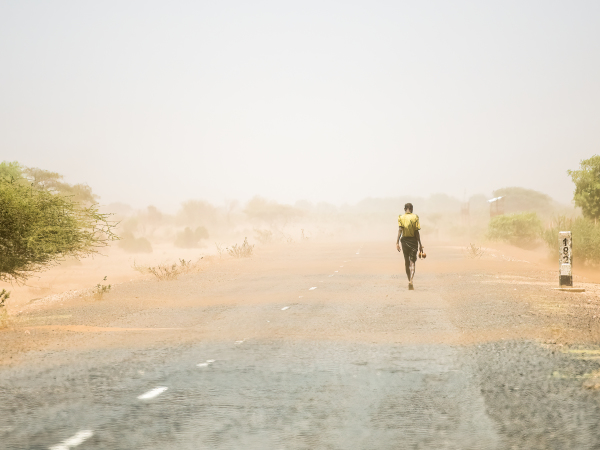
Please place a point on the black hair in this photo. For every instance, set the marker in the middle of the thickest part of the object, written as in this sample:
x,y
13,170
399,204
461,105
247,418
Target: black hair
x,y
408,206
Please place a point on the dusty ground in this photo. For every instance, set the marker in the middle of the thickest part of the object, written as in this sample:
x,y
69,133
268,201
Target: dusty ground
x,y
483,354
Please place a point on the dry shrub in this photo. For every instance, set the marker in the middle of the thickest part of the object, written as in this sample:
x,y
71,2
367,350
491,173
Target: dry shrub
x,y
101,289
4,295
241,251
164,272
472,251
220,249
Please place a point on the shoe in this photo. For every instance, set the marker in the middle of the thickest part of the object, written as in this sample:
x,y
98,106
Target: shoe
x,y
411,287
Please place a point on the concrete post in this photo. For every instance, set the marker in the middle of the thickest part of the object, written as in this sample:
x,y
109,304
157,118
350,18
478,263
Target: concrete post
x,y
565,259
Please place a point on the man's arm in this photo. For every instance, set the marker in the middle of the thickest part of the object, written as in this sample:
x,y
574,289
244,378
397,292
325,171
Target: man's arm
x,y
398,240
418,236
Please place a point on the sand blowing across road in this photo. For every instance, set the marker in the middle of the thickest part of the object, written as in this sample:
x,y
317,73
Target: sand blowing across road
x,y
314,345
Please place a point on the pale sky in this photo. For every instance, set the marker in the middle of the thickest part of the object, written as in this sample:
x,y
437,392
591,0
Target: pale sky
x,y
159,102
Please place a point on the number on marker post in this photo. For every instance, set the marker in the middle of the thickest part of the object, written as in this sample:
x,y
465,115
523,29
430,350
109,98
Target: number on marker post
x,y
565,277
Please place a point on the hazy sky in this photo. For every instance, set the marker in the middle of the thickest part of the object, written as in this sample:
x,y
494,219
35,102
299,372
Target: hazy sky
x,y
159,102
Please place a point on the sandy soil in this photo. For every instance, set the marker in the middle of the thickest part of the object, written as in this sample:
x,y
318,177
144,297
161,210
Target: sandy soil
x,y
505,294
81,275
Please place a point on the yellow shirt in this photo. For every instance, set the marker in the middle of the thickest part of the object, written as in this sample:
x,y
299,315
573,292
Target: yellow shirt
x,y
409,223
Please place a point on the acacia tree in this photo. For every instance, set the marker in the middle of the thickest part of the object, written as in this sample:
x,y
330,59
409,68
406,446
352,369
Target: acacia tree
x,y
52,181
587,187
39,226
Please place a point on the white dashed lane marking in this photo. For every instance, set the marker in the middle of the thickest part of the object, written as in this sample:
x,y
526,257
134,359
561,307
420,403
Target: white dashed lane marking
x,y
206,364
153,393
84,435
73,441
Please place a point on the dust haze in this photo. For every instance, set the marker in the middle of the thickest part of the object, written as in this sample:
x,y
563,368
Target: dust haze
x,y
156,104
198,126
254,159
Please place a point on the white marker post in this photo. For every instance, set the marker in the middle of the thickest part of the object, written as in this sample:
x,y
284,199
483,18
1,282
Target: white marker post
x,y
565,261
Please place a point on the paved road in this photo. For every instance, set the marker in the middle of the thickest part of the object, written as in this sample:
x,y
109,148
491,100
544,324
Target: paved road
x,y
257,359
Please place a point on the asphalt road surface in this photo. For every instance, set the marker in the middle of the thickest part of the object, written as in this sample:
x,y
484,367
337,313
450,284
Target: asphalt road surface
x,y
308,347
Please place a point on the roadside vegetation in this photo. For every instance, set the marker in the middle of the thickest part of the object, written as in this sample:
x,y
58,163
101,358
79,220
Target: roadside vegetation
x,y
521,230
164,272
585,229
4,295
526,230
474,251
101,289
43,221
587,187
586,238
241,251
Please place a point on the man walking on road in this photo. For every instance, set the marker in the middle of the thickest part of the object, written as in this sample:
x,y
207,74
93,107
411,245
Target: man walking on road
x,y
408,235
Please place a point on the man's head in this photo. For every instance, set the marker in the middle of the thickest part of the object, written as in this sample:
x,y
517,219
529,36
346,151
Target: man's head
x,y
408,207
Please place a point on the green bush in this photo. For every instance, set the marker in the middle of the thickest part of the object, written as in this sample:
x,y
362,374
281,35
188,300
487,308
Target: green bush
x,y
522,230
586,238
39,227
131,244
191,239
587,187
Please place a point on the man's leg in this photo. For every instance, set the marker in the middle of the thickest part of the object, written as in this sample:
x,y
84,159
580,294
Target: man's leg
x,y
407,265
409,248
413,265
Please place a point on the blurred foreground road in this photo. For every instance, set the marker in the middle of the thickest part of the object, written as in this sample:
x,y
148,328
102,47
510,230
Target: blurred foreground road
x,y
307,347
